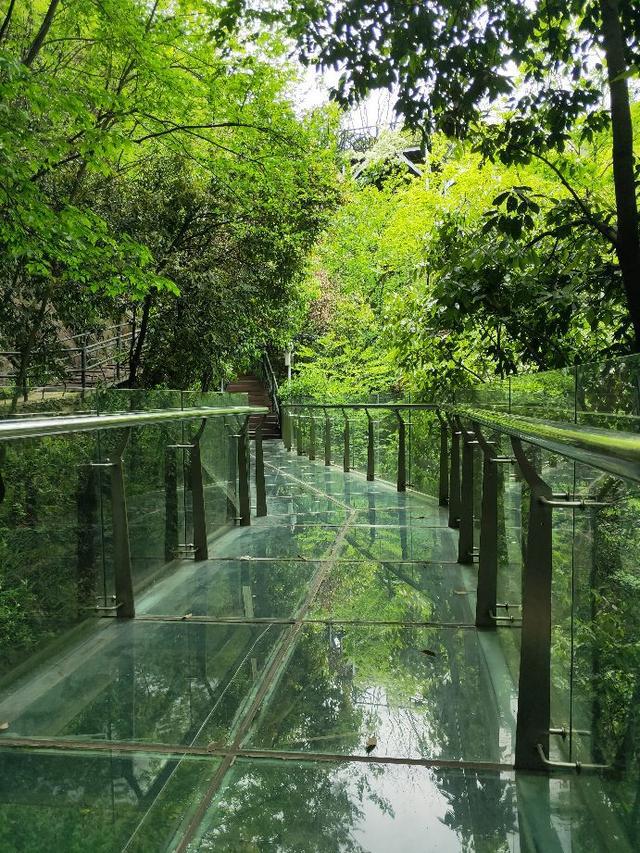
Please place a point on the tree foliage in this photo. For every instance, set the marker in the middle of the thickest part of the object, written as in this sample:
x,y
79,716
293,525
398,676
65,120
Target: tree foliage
x,y
141,160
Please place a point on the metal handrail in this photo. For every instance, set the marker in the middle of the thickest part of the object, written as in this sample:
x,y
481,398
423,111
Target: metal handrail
x,y
614,451
33,427
362,406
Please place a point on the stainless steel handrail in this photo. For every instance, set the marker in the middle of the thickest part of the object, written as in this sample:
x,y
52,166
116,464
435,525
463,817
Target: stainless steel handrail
x,y
34,427
362,406
614,451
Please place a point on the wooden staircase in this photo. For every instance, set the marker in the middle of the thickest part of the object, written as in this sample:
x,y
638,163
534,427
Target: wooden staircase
x,y
258,396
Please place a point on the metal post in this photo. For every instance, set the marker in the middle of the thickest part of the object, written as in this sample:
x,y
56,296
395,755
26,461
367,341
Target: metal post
x,y
454,477
201,548
346,461
243,475
261,489
465,538
118,345
327,439
293,435
123,580
402,453
371,453
443,485
286,428
312,438
487,590
299,437
534,693
83,370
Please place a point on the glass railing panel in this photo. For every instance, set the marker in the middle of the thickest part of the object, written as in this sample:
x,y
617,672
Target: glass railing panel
x,y
424,450
606,658
218,457
136,399
157,505
52,572
549,395
386,445
559,474
492,394
608,394
37,404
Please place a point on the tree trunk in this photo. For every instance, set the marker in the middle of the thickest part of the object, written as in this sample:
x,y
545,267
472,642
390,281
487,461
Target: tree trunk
x,y
36,46
628,238
136,352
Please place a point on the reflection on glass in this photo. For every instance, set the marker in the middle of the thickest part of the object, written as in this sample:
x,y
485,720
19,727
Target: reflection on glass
x,y
421,692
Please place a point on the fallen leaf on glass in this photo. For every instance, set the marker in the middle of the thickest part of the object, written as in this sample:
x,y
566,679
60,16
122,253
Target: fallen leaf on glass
x,y
370,744
187,615
4,726
429,652
461,592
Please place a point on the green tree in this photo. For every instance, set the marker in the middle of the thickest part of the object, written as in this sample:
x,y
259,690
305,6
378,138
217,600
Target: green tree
x,y
541,63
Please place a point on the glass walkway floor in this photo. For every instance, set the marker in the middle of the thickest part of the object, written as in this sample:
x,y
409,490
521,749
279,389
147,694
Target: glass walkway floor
x,y
318,685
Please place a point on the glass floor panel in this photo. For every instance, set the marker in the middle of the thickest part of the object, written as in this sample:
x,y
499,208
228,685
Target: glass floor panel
x,y
223,589
397,592
420,692
374,808
331,517
299,697
401,516
87,801
268,539
432,544
156,682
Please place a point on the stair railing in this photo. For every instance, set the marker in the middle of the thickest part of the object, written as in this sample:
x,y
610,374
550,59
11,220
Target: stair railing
x,y
272,384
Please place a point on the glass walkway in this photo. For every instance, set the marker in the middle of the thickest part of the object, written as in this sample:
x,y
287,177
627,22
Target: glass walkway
x,y
318,683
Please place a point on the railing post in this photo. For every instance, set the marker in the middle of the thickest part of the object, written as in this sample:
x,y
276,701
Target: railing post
x,y
402,453
232,495
371,452
83,369
286,428
123,580
201,547
443,484
243,475
261,489
293,434
327,439
299,436
312,437
465,537
534,692
346,459
487,590
454,477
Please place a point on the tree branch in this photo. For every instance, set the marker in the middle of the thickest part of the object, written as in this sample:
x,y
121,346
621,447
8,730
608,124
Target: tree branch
x,y
37,43
7,21
193,127
607,232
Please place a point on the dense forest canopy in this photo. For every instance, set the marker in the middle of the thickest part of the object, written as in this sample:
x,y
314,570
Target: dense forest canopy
x,y
150,173
160,168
